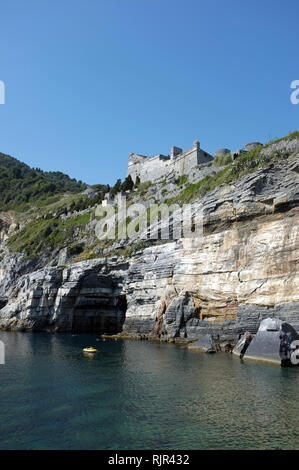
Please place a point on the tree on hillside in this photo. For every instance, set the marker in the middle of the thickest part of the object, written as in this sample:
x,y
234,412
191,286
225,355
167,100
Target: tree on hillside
x,y
128,184
117,187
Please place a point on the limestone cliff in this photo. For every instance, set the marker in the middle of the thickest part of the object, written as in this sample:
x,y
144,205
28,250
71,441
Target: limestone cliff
x,y
245,269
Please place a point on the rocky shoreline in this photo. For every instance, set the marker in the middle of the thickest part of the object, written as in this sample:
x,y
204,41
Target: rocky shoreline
x,y
276,342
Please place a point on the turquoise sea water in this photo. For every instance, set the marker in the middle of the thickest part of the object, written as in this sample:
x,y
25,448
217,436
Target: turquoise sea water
x,y
140,395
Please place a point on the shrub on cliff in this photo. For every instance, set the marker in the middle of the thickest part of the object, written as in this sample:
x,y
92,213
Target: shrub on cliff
x,y
183,179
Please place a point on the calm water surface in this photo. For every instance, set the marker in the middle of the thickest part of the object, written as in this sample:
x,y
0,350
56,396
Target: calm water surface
x,y
140,395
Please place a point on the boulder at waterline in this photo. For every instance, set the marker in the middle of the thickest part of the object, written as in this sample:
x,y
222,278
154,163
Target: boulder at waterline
x,y
204,344
275,342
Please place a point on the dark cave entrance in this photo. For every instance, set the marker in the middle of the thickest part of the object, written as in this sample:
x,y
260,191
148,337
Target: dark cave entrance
x,y
106,316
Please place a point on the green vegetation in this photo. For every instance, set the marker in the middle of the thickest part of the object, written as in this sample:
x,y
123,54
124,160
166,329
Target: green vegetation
x,y
75,249
20,184
44,235
46,231
242,165
143,187
116,188
198,190
290,136
183,179
222,160
128,184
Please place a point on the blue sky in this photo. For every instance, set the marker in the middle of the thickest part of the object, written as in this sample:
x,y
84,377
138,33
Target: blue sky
x,y
89,81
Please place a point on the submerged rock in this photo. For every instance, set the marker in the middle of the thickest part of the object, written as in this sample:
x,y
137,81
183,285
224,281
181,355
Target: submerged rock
x,y
276,342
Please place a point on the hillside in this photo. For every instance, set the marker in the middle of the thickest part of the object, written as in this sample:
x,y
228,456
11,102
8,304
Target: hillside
x,y
20,184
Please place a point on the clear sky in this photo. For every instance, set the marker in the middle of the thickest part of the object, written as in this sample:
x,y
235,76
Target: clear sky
x,y
89,81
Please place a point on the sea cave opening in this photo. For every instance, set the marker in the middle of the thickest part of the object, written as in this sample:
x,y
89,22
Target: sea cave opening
x,y
106,316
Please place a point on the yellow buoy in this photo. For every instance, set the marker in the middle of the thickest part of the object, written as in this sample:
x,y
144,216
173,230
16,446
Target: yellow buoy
x,y
90,350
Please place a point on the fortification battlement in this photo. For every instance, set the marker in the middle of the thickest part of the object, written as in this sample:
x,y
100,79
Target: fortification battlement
x,y
179,162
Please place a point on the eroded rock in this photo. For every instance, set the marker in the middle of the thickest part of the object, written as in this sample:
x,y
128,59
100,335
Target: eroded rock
x,y
242,345
274,342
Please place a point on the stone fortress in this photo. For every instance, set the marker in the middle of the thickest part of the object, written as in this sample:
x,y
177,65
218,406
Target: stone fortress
x,y
164,170
179,163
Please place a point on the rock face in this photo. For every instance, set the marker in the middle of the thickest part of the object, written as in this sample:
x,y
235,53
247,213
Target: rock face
x,y
243,270
276,342
204,344
242,345
85,297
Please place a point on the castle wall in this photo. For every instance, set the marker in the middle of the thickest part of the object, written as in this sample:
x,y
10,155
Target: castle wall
x,y
148,169
153,168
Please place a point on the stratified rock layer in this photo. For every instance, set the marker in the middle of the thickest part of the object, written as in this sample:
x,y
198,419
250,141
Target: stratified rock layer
x,y
244,269
84,297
